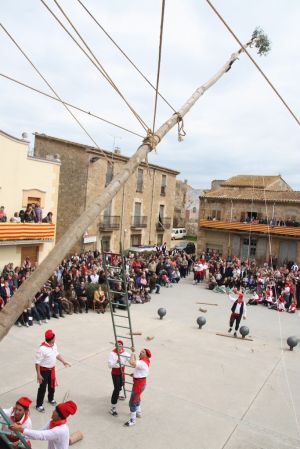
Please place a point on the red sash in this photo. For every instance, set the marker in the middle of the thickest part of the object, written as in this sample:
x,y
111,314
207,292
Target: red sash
x,y
59,422
52,375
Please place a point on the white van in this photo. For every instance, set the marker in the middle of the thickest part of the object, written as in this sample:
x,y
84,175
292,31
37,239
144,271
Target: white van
x,y
178,233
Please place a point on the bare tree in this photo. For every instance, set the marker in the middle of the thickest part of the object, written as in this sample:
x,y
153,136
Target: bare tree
x,y
22,297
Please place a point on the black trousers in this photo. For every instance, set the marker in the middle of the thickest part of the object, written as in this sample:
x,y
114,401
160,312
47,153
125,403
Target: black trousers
x,y
118,383
42,389
236,319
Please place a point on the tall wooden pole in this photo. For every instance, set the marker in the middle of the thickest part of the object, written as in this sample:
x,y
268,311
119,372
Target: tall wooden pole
x,y
23,296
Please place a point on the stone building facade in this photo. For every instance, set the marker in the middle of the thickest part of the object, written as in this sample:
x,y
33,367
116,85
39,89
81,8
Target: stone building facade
x,y
179,217
140,214
251,216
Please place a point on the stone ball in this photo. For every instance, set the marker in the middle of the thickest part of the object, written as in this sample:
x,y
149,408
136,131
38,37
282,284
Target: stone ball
x,y
201,321
161,312
292,342
244,330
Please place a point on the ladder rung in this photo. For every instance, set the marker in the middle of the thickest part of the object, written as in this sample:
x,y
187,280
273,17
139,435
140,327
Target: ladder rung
x,y
124,327
123,336
121,316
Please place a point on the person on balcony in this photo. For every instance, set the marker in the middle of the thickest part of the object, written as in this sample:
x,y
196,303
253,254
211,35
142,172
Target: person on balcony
x,y
3,217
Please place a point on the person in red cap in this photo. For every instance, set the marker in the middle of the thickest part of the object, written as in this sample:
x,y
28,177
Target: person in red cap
x,y
56,432
18,414
117,357
238,310
45,362
140,374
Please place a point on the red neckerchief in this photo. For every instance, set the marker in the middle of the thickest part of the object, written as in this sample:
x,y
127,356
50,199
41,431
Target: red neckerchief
x,y
59,422
146,360
44,343
120,350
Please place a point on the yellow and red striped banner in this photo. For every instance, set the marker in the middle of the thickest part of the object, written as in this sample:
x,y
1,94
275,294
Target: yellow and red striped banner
x,y
27,231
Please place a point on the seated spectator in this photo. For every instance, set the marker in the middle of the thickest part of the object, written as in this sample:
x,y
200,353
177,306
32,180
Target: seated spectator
x,y
82,297
3,217
99,301
254,300
48,218
15,218
71,296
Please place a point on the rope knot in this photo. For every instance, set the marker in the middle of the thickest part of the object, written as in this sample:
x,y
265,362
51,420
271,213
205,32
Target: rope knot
x,y
151,139
180,131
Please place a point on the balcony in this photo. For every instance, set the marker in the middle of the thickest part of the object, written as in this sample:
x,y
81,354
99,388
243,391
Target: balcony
x,y
163,223
286,231
17,233
109,223
138,222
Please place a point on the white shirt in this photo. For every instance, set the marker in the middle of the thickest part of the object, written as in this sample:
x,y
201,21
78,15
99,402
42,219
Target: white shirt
x,y
141,369
46,356
94,278
58,437
113,361
9,412
238,306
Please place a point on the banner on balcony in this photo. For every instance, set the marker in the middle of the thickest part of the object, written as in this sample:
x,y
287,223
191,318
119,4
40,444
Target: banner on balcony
x,y
27,231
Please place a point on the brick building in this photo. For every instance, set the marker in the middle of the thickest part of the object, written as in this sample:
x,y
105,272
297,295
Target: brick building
x,y
254,216
140,214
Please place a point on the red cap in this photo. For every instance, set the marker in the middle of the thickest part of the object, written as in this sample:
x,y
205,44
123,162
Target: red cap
x,y
120,342
66,409
24,402
49,334
148,353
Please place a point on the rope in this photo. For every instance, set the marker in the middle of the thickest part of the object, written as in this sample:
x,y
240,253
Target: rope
x,y
124,54
250,229
69,104
254,62
180,127
49,85
94,61
280,327
159,60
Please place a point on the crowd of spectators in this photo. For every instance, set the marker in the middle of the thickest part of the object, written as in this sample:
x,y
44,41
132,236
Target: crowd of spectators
x,y
277,287
289,222
79,284
32,214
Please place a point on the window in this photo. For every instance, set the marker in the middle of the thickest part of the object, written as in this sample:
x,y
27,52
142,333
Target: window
x,y
105,243
140,180
216,214
250,244
137,214
136,239
161,214
163,186
109,173
160,239
107,215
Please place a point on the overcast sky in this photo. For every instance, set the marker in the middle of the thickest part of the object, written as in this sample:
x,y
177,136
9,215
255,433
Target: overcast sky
x,y
238,127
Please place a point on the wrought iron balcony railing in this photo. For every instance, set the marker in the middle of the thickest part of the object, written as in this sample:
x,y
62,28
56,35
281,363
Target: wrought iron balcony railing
x,y
109,223
139,221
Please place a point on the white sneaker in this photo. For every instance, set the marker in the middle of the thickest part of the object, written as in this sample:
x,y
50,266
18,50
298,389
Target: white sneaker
x,y
40,409
27,325
129,423
40,322
46,321
19,324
